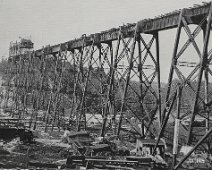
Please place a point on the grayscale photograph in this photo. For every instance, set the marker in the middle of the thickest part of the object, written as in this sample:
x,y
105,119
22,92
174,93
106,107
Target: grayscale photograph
x,y
106,84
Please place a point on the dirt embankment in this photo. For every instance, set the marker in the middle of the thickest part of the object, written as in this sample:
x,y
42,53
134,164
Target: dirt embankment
x,y
19,155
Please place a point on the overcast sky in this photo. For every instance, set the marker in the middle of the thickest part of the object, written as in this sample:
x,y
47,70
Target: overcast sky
x,y
56,21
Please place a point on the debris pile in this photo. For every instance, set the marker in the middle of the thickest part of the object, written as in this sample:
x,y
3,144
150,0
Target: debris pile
x,y
42,153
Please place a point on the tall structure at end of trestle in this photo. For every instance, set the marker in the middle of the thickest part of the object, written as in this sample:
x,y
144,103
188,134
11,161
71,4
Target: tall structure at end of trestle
x,y
21,47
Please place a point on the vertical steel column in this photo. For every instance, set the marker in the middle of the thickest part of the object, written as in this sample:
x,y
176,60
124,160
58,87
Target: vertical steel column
x,y
165,122
48,110
174,60
203,66
27,81
32,85
22,87
51,94
34,88
140,67
17,84
40,87
58,89
112,72
156,35
101,71
127,80
206,98
177,123
22,84
82,107
9,88
76,80
112,95
158,93
206,78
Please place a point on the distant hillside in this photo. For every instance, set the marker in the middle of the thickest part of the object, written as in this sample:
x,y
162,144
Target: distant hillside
x,y
93,99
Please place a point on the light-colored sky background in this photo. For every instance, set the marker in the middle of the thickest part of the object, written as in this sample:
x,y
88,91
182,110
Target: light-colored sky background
x,y
55,21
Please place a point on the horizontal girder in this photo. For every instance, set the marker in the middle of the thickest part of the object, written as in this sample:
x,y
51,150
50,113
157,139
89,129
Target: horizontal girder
x,y
159,23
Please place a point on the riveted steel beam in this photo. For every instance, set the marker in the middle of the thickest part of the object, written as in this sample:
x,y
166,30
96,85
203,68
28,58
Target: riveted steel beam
x,y
163,22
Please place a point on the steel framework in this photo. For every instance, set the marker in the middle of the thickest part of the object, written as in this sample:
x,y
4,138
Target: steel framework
x,y
116,74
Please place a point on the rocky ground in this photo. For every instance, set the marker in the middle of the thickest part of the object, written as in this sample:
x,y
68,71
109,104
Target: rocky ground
x,y
47,149
16,154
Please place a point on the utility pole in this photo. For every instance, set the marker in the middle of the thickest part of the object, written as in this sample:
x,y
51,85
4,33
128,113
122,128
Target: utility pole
x,y
177,125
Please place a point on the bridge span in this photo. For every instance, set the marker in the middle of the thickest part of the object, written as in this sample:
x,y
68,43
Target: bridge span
x,y
116,74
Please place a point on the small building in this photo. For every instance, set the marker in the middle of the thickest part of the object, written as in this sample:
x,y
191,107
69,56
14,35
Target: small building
x,y
145,147
82,137
21,47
